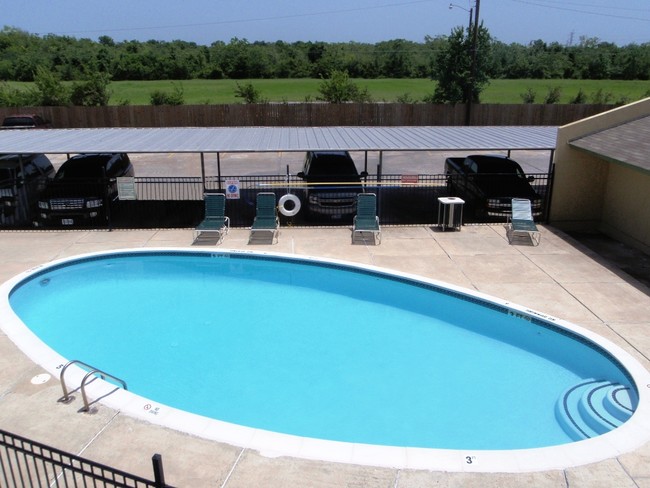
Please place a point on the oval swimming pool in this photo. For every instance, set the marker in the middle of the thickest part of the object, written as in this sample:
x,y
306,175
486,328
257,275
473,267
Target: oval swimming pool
x,y
327,350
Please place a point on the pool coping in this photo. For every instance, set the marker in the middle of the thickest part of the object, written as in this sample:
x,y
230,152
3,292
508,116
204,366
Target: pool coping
x,y
630,436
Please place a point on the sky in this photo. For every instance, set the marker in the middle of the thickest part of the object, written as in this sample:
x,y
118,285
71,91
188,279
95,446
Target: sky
x,y
367,21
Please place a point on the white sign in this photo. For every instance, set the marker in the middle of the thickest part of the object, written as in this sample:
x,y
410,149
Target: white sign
x,y
126,188
232,189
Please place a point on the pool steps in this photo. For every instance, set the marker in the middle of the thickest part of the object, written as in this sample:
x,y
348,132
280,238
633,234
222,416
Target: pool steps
x,y
594,407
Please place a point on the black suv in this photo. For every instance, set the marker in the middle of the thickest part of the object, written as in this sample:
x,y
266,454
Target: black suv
x,y
332,184
82,189
22,177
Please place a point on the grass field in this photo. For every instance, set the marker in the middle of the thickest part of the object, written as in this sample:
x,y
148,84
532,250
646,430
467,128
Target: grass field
x,y
197,92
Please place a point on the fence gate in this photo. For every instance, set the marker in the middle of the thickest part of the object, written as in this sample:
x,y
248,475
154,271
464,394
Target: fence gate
x,y
27,464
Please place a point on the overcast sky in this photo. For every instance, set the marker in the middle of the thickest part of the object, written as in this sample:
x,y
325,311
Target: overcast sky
x,y
205,21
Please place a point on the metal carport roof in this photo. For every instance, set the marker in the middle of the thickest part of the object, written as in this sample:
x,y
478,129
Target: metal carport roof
x,y
268,139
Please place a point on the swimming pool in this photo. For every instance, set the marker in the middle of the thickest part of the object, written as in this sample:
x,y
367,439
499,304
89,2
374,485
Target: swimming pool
x,y
323,326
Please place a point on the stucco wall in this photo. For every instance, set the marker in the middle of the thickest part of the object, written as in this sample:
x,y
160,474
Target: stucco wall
x,y
626,210
590,193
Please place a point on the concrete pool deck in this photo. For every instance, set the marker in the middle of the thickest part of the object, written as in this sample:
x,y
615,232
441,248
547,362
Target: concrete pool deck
x,y
560,277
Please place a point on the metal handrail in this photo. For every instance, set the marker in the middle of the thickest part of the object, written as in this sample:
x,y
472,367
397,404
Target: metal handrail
x,y
103,374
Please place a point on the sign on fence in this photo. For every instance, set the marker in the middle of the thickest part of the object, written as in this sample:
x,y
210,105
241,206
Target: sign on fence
x,y
232,189
409,179
126,188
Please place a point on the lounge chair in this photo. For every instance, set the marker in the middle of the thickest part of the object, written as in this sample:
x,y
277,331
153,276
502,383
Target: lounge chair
x,y
366,220
215,220
266,222
521,223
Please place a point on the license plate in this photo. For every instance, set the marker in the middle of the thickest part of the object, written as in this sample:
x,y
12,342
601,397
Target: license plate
x,y
67,221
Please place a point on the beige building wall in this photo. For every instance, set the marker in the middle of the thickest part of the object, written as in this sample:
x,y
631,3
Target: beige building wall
x,y
593,194
626,210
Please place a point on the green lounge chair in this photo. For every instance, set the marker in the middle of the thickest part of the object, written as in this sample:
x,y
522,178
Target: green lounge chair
x,y
266,220
215,220
366,220
521,222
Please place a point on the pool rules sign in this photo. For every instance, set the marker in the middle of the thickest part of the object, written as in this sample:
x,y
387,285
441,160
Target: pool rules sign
x,y
232,189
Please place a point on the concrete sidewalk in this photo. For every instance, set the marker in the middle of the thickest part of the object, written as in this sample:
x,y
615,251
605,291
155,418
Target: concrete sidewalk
x,y
560,277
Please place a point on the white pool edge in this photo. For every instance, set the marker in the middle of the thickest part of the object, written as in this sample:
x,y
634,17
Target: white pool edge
x,y
630,436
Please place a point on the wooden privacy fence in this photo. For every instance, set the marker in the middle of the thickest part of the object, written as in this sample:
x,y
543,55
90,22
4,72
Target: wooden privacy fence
x,y
309,115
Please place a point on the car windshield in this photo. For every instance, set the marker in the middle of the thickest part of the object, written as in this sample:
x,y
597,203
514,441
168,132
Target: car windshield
x,y
6,174
332,165
82,168
17,121
503,168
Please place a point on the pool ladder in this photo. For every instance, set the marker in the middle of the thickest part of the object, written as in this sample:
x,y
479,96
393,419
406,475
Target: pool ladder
x,y
66,398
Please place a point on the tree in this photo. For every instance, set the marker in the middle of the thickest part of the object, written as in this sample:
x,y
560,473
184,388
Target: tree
x,y
338,88
461,76
50,91
93,92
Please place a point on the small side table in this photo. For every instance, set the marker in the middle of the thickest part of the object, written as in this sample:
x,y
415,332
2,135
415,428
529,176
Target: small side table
x,y
450,213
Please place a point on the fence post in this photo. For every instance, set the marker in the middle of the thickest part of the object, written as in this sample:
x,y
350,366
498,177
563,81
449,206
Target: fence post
x,y
158,473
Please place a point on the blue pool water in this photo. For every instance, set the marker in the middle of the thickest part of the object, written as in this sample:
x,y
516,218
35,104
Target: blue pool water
x,y
313,349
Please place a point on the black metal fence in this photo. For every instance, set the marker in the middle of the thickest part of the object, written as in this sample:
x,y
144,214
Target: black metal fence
x,y
177,202
26,464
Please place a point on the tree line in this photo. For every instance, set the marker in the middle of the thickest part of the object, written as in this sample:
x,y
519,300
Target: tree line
x,y
72,59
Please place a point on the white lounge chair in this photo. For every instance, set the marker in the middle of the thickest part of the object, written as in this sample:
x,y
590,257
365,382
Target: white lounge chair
x,y
215,220
366,220
521,223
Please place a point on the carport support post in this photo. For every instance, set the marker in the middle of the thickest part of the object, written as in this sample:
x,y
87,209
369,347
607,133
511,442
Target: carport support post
x,y
380,166
203,172
219,170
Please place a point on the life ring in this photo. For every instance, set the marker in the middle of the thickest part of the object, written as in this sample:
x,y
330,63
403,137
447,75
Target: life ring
x,y
289,198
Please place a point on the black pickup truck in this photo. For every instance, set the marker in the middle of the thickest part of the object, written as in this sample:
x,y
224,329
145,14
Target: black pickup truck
x,y
333,184
25,121
488,183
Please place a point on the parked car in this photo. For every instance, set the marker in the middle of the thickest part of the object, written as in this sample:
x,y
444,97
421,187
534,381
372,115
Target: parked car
x,y
83,188
22,177
25,121
333,184
488,183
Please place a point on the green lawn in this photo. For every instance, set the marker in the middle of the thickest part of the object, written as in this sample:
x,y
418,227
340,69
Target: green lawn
x,y
383,90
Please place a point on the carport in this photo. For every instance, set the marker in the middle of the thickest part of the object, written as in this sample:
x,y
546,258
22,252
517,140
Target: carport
x,y
220,140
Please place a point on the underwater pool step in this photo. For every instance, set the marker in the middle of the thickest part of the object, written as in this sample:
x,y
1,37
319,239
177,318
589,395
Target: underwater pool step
x,y
621,402
594,407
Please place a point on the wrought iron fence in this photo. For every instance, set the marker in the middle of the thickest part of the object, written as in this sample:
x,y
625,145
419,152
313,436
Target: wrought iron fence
x,y
26,464
177,202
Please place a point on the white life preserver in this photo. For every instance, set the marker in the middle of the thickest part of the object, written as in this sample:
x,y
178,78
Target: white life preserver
x,y
289,198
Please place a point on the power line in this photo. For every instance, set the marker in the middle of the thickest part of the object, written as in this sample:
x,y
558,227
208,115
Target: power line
x,y
257,19
588,12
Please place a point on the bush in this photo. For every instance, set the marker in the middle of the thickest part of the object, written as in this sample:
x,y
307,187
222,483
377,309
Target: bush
x,y
580,98
529,95
338,88
93,92
249,93
405,98
50,92
601,97
553,95
160,97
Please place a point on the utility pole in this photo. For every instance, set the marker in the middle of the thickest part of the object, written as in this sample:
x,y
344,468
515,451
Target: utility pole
x,y
472,76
